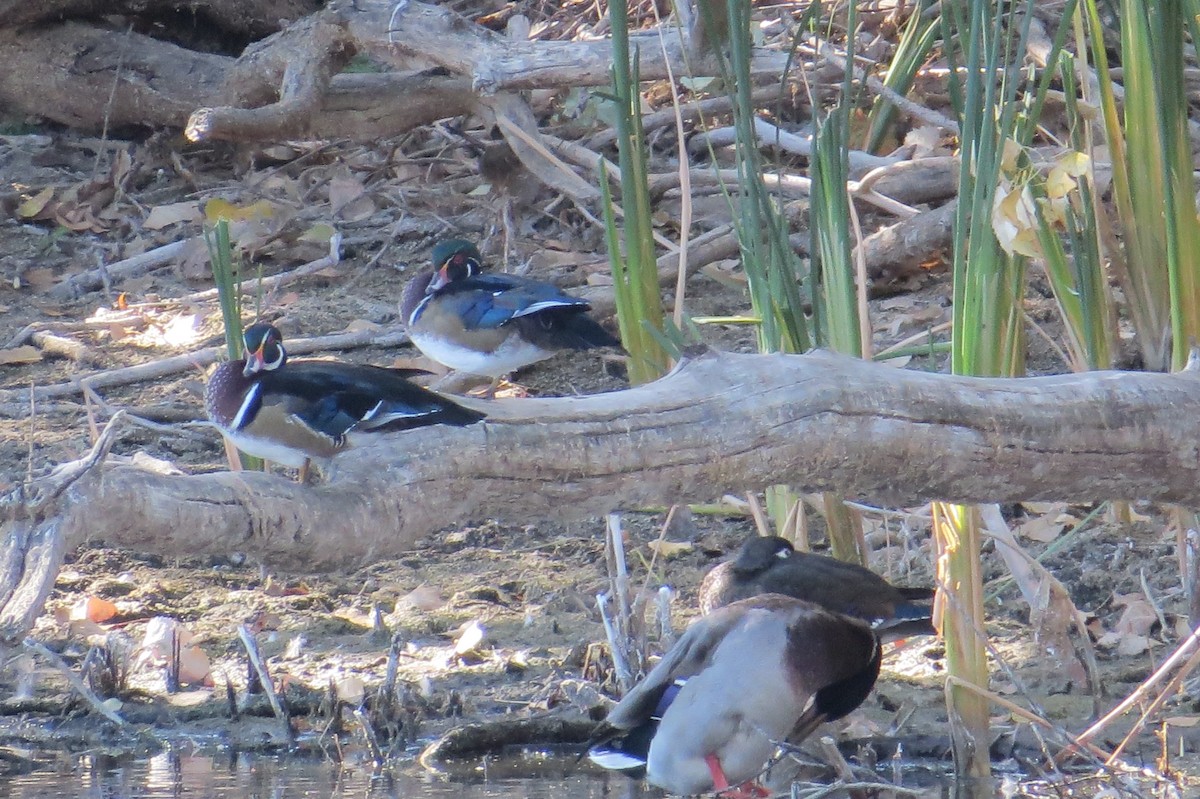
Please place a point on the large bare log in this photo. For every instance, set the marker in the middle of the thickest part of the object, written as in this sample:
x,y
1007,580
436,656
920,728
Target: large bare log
x,y
84,77
720,422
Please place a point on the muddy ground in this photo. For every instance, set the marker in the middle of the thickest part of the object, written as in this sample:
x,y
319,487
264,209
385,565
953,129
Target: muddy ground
x,y
530,588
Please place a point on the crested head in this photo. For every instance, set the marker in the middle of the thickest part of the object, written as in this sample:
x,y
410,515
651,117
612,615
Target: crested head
x,y
456,259
263,348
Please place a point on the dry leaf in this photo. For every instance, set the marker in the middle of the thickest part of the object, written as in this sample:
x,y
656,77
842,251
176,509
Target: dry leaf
x,y
156,650
669,549
162,216
40,279
1138,618
35,204
1042,528
20,355
217,209
92,608
194,666
321,233
423,597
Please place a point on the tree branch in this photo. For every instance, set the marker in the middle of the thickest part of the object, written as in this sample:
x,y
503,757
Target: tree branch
x,y
720,422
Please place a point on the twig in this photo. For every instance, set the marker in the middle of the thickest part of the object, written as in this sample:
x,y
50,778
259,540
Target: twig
x,y
833,757
620,664
769,134
687,112
264,678
369,733
75,682
152,370
857,786
1167,691
80,284
1024,713
61,346
276,282
901,102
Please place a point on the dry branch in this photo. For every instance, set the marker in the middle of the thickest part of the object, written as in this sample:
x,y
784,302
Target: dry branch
x,y
158,84
152,370
407,34
279,83
721,422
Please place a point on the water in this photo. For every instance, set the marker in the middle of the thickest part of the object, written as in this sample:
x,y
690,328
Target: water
x,y
178,776
174,775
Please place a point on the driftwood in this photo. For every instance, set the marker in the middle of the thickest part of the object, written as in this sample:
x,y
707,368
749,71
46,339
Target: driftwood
x,y
720,422
92,77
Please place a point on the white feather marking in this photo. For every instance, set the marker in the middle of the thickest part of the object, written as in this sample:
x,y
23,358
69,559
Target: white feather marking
x,y
412,317
615,760
371,413
547,304
250,400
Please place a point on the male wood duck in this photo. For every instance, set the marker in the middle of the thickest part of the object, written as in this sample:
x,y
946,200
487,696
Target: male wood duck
x,y
288,412
492,324
738,682
770,564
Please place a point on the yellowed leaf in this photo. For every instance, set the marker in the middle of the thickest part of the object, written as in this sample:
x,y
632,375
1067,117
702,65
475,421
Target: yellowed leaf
x,y
1059,183
34,205
669,549
321,232
1075,163
217,209
20,355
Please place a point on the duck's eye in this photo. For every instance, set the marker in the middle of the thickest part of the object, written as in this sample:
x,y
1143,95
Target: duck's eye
x,y
461,266
782,554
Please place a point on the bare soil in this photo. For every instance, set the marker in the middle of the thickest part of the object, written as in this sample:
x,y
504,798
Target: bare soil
x,y
533,588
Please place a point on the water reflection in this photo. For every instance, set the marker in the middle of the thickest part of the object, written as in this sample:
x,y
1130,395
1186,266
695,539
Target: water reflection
x,y
175,776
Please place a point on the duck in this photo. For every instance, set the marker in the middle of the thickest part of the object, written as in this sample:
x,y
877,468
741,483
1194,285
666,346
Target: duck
x,y
291,412
492,324
770,564
739,681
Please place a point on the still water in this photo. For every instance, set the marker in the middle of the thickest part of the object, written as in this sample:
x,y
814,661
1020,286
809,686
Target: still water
x,y
172,775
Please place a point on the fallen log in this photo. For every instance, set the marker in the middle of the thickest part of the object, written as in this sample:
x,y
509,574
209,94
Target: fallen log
x,y
720,422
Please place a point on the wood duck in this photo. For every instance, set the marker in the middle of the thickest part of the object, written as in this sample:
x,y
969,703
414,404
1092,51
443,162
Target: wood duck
x,y
770,564
738,682
288,412
492,324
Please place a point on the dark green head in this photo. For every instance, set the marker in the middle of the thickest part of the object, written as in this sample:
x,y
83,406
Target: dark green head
x,y
263,348
456,259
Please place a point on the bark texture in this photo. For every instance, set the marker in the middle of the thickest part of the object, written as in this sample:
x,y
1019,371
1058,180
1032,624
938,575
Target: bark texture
x,y
721,422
